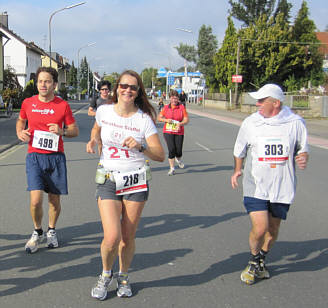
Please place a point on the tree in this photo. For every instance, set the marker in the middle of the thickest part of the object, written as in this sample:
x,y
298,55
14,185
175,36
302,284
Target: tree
x,y
72,76
148,76
112,78
207,46
187,52
248,11
84,74
307,60
225,60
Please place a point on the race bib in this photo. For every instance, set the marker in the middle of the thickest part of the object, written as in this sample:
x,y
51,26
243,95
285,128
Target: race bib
x,y
130,182
273,149
172,127
45,140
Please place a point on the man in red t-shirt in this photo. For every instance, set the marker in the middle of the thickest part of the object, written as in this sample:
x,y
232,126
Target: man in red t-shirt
x,y
49,119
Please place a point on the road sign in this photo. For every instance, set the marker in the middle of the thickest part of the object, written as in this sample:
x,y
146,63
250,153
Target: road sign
x,y
237,78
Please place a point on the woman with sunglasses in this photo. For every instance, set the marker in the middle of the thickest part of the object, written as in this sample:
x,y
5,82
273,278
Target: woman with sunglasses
x,y
128,133
104,87
175,117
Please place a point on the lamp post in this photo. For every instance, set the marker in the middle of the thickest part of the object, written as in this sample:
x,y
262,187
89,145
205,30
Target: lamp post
x,y
78,66
55,12
185,61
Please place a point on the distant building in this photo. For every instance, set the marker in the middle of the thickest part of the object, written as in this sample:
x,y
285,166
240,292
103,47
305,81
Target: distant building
x,y
323,38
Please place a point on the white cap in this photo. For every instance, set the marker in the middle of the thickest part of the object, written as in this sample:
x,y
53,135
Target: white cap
x,y
271,90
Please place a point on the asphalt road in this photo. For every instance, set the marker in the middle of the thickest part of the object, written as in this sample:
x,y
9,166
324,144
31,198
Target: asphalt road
x,y
192,241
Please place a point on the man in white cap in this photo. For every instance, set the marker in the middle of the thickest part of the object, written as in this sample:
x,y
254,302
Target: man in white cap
x,y
271,141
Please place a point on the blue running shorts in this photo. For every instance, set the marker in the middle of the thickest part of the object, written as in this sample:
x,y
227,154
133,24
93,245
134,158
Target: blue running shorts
x,y
47,172
278,210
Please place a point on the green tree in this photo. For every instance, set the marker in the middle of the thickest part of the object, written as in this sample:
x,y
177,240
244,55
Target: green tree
x,y
225,60
148,76
207,46
72,76
187,52
84,74
112,78
248,11
307,60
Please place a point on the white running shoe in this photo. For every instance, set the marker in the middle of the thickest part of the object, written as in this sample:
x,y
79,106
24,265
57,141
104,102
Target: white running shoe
x,y
100,290
180,163
32,245
123,286
52,241
171,172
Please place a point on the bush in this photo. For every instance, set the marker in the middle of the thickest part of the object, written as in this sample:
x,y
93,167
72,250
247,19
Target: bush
x,y
14,95
30,89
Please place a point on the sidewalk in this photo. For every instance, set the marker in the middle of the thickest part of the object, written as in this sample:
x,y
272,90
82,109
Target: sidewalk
x,y
317,128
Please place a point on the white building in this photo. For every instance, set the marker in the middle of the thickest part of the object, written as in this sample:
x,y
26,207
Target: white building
x,y
23,57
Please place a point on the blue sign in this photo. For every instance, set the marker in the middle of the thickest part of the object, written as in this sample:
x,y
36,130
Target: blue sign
x,y
170,80
162,72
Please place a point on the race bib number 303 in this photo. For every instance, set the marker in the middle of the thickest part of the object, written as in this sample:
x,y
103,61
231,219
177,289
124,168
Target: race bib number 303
x,y
273,149
45,140
130,182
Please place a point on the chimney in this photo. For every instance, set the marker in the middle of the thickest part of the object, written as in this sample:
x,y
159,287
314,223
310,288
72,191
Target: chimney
x,y
4,19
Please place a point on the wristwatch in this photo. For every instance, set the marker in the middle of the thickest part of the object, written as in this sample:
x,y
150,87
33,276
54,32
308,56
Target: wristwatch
x,y
143,148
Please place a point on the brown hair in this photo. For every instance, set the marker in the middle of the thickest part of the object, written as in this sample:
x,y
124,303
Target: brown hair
x,y
141,100
173,93
49,70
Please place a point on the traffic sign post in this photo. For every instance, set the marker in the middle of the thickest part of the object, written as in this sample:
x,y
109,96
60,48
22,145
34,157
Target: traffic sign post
x,y
237,78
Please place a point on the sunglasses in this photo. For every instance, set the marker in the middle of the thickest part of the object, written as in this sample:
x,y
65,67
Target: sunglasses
x,y
104,89
126,86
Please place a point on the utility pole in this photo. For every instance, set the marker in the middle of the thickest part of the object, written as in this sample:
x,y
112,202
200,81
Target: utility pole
x,y
237,68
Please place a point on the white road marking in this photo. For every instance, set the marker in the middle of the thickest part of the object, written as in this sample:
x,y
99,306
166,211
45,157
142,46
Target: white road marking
x,y
204,147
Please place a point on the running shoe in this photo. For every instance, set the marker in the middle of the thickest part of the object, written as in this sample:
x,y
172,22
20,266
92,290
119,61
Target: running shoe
x,y
52,241
171,172
263,272
32,245
180,163
123,286
249,274
99,291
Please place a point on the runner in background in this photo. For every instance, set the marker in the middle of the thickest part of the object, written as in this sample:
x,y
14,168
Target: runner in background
x,y
175,117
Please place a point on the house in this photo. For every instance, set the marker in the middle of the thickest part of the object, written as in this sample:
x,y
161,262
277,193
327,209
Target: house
x,y
26,57
323,49
3,41
23,57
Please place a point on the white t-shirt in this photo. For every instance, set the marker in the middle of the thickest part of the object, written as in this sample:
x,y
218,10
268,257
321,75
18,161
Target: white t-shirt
x,y
114,130
270,146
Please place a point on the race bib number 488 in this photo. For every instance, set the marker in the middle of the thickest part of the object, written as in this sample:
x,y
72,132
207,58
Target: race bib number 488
x,y
45,140
273,149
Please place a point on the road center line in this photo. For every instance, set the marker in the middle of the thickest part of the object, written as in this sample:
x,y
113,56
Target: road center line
x,y
204,147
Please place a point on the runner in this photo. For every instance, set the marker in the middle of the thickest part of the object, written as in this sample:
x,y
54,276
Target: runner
x,y
271,140
47,117
128,133
175,117
104,87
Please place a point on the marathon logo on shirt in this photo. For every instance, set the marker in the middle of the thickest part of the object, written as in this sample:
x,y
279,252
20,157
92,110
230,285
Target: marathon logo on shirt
x,y
133,129
44,111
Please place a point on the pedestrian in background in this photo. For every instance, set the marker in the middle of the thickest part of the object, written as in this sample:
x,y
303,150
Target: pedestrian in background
x,y
49,119
128,133
183,98
175,117
271,140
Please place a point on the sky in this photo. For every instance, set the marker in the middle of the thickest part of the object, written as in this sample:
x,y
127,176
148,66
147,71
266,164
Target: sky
x,y
128,34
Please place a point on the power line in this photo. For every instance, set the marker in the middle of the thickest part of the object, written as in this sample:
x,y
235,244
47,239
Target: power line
x,y
280,42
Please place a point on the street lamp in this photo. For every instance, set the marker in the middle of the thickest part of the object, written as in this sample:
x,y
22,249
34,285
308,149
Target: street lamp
x,y
185,61
65,8
78,66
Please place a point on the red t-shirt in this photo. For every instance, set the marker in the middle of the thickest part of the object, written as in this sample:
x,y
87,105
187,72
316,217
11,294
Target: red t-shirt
x,y
176,113
39,114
